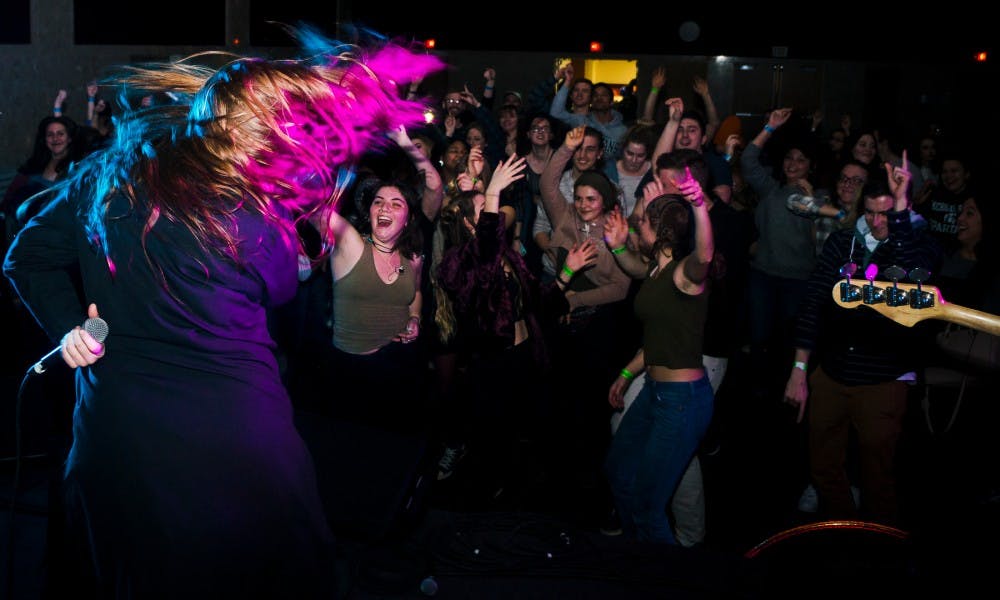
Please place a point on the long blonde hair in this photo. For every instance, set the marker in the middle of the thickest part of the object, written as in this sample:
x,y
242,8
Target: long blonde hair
x,y
278,137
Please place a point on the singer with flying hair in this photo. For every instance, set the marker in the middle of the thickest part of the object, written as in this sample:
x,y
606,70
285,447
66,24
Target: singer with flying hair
x,y
187,477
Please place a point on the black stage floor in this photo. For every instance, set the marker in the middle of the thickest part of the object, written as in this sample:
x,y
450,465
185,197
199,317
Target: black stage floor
x,y
403,534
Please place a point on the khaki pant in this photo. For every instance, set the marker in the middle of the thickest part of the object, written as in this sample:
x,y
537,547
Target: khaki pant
x,y
876,414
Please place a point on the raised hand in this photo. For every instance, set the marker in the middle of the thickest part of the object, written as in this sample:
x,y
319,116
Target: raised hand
x,y
400,136
899,181
779,117
654,189
507,173
690,188
733,141
615,229
450,125
469,97
574,137
476,162
700,86
675,106
659,77
817,118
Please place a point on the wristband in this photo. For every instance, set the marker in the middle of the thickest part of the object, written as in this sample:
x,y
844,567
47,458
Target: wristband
x,y
801,365
56,109
841,214
654,90
628,375
619,250
91,99
768,128
727,157
568,271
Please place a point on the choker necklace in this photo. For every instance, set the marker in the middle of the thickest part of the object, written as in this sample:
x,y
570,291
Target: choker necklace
x,y
400,269
380,247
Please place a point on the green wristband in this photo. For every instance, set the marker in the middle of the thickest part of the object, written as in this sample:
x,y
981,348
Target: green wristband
x,y
628,375
568,271
619,250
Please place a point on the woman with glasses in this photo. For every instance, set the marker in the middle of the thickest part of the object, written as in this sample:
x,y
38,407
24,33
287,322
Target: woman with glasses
x,y
837,212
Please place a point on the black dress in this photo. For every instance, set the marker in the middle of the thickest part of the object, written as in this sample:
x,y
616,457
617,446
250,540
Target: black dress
x,y
187,477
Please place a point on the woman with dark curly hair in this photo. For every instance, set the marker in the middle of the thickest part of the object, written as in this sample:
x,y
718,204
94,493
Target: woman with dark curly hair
x,y
51,157
663,427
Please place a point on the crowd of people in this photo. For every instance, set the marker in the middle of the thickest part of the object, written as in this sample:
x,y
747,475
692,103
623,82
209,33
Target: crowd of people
x,y
556,271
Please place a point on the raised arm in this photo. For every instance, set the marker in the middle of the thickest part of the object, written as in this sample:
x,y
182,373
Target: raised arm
x,y
899,182
616,236
91,99
695,265
558,106
57,104
489,85
506,173
711,114
656,84
556,206
669,134
433,194
753,171
344,239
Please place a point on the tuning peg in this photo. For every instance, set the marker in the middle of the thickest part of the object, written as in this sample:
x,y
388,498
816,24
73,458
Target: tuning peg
x,y
871,271
847,270
895,273
894,295
918,275
871,294
919,298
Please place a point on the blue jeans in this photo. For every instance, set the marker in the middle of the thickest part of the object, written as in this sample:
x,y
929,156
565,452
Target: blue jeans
x,y
657,437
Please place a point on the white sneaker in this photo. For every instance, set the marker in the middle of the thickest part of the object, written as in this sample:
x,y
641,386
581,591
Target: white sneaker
x,y
809,500
449,459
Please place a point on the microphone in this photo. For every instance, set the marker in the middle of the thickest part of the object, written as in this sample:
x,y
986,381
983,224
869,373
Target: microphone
x,y
97,329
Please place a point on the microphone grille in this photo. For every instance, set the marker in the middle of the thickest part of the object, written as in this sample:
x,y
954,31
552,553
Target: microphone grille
x,y
97,328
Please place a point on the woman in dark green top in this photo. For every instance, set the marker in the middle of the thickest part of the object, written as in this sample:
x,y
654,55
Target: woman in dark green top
x,y
664,425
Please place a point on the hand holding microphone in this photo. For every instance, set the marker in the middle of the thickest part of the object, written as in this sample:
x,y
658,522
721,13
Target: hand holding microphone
x,y
80,347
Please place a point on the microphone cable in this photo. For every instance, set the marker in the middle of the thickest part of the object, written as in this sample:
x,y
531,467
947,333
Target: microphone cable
x,y
16,482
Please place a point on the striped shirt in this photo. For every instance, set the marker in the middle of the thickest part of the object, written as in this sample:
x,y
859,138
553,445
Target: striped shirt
x,y
859,346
